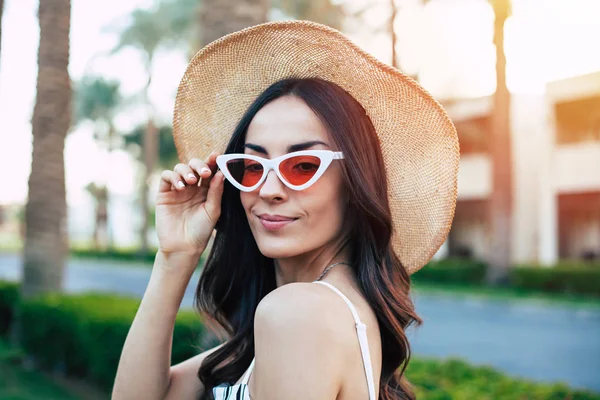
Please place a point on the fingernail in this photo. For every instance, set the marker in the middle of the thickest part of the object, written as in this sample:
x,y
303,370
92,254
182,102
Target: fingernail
x,y
204,169
191,176
180,184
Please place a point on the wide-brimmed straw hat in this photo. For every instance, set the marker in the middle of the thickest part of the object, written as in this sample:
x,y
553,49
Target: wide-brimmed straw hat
x,y
418,140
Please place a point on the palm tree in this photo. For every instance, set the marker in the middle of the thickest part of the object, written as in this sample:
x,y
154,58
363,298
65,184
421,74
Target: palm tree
x,y
167,153
96,100
500,201
326,12
393,13
1,11
146,33
46,239
220,17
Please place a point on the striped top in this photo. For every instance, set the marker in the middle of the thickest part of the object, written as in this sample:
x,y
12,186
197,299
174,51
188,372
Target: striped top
x,y
240,391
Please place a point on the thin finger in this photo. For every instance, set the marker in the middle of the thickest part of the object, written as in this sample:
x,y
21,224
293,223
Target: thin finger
x,y
165,184
174,178
214,195
187,173
205,170
200,167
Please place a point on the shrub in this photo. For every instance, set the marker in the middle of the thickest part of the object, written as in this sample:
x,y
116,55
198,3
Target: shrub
x,y
83,335
452,270
115,254
124,255
572,278
9,297
456,380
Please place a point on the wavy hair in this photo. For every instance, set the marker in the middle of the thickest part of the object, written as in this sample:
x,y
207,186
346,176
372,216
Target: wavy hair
x,y
232,283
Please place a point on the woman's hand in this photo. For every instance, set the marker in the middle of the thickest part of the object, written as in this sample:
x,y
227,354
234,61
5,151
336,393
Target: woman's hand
x,y
188,206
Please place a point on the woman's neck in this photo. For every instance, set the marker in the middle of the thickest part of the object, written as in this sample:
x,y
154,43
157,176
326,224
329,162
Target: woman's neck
x,y
308,266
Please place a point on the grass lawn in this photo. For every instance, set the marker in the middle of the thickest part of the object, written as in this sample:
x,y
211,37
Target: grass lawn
x,y
17,383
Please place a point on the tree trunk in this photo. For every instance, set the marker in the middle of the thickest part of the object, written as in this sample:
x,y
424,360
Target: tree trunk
x,y
46,241
220,17
393,13
111,147
150,145
1,12
500,201
150,155
101,220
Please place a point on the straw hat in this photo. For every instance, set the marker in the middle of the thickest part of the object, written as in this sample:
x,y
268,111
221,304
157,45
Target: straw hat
x,y
418,140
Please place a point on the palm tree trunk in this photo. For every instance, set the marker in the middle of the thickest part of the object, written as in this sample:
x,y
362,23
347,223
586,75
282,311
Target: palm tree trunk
x,y
394,12
46,240
111,147
150,146
101,223
1,12
219,17
500,201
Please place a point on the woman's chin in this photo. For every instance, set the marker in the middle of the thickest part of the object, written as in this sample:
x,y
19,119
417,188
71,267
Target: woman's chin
x,y
282,248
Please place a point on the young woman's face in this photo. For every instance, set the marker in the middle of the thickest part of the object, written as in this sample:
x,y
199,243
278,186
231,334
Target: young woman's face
x,y
315,214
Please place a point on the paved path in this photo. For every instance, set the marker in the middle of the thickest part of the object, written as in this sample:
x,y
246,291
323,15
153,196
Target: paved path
x,y
537,341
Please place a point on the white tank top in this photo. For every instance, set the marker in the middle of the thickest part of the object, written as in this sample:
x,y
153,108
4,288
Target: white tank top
x,y
241,392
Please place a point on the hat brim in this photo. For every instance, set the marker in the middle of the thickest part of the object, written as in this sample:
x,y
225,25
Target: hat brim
x,y
418,140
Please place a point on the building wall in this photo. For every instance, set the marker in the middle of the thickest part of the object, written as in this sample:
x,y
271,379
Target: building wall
x,y
544,171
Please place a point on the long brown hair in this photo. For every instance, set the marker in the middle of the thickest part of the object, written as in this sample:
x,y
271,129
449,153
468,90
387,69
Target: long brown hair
x,y
234,282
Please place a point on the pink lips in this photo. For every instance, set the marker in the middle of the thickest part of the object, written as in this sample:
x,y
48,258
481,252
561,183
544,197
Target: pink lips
x,y
274,222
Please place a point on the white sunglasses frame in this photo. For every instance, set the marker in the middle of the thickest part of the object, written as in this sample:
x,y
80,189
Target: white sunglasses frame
x,y
326,157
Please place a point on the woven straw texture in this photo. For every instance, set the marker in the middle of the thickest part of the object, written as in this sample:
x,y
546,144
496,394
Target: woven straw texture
x,y
418,140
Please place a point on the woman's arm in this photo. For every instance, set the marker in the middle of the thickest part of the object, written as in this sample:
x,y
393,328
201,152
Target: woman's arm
x,y
144,368
188,205
302,341
184,378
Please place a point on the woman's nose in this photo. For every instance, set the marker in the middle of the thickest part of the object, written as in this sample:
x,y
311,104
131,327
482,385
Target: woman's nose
x,y
272,188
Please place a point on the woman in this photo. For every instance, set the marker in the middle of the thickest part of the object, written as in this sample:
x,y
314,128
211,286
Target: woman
x,y
338,180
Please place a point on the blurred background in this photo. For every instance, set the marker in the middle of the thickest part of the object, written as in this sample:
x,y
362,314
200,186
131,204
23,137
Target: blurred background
x,y
511,301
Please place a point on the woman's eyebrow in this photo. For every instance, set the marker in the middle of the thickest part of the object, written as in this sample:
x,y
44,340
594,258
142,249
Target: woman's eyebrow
x,y
305,145
257,148
290,149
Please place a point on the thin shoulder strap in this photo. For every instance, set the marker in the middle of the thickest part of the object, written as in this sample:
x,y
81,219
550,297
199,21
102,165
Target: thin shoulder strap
x,y
361,330
246,377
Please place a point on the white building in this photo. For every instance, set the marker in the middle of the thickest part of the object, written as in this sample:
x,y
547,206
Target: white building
x,y
556,174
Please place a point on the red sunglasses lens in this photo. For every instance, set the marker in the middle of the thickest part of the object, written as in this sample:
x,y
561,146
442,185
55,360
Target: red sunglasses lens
x,y
245,172
299,169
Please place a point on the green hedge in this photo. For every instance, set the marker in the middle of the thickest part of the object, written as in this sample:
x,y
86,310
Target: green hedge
x,y
125,255
114,254
83,335
457,380
9,297
568,277
564,278
452,270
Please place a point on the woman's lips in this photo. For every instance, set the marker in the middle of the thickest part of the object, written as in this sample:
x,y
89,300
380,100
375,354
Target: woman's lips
x,y
274,224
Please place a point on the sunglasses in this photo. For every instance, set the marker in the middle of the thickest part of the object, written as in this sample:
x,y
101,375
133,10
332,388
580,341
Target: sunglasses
x,y
297,170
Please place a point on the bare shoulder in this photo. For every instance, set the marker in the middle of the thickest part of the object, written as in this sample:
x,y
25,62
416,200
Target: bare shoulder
x,y
295,326
304,306
184,382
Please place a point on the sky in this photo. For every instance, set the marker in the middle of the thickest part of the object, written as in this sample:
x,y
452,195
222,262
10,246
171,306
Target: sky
x,y
449,42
